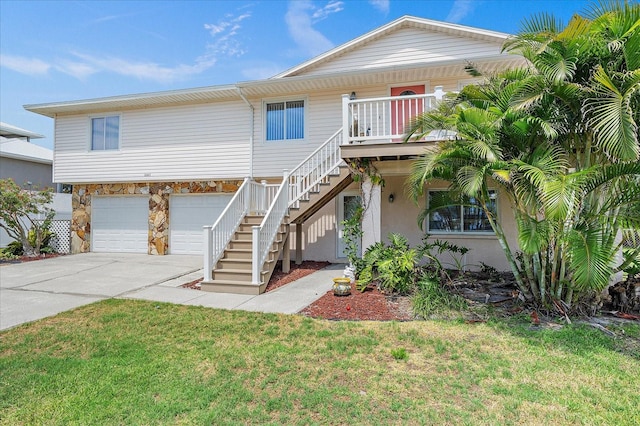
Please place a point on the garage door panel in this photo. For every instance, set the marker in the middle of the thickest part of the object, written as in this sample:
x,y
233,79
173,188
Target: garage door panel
x,y
120,224
188,214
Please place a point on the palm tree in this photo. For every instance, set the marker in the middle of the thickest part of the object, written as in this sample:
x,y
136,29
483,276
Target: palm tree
x,y
561,139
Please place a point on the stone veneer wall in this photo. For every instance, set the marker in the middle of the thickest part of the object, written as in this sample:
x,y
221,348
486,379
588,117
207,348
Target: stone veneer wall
x,y
158,193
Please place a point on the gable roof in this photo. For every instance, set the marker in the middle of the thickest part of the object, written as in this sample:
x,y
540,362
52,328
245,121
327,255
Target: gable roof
x,y
400,23
298,79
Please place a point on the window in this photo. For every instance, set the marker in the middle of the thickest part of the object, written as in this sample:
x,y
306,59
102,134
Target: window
x,y
105,133
285,120
455,216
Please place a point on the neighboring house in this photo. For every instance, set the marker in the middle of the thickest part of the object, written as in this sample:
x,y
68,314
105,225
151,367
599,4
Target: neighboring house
x,y
149,170
31,167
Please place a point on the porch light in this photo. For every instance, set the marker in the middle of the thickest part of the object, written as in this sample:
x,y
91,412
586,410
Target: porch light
x,y
352,96
391,198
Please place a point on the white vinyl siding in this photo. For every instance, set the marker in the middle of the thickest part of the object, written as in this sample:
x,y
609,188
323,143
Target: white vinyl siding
x,y
408,46
192,142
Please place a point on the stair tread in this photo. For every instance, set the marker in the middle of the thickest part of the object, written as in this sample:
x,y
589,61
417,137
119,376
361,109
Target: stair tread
x,y
232,271
231,282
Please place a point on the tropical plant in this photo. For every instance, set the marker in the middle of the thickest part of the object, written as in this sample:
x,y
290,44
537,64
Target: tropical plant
x,y
23,212
394,266
560,138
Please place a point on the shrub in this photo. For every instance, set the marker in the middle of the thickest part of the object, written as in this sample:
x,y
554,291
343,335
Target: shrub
x,y
394,266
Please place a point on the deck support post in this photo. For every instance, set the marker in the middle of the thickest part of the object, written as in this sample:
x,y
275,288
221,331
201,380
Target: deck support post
x,y
286,251
298,243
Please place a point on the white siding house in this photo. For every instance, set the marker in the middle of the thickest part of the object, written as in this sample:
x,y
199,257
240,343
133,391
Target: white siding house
x,y
202,142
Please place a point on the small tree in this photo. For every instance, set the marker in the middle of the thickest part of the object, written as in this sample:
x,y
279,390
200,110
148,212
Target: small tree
x,y
19,211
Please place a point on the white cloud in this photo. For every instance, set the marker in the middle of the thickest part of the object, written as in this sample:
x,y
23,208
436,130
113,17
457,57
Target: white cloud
x,y
78,70
147,70
29,66
330,8
83,65
300,18
223,33
460,9
381,5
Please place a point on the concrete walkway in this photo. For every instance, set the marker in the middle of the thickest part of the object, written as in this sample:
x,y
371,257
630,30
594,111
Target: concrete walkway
x,y
35,290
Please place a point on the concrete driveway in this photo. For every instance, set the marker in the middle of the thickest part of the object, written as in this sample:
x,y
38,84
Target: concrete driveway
x,y
34,290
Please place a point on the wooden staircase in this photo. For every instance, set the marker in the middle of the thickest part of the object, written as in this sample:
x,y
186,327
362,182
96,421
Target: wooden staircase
x,y
232,273
314,200
229,243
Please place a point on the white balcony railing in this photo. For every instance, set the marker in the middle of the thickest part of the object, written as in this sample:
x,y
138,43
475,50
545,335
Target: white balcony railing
x,y
383,119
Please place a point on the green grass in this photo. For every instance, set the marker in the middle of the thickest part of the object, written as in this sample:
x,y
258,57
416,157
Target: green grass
x,y
131,362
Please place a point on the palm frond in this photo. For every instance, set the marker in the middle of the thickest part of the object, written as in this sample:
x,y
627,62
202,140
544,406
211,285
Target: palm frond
x,y
533,235
590,259
612,118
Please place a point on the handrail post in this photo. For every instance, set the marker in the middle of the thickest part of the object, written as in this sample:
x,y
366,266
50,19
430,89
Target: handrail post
x,y
263,196
208,253
345,119
285,177
255,255
438,93
247,198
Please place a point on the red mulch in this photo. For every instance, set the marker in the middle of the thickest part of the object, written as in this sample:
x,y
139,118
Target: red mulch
x,y
279,278
368,305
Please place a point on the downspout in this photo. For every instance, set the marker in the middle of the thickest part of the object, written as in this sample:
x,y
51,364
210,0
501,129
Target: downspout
x,y
244,98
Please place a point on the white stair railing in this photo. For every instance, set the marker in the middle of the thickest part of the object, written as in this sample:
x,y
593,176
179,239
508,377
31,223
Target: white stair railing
x,y
264,235
249,198
314,169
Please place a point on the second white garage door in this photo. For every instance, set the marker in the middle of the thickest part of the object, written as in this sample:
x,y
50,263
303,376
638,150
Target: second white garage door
x,y
120,224
187,215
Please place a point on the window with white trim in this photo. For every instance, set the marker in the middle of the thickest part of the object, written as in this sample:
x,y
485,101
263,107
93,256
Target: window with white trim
x,y
105,133
448,215
285,120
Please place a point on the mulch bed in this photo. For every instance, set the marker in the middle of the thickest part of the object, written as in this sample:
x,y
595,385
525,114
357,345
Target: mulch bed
x,y
370,304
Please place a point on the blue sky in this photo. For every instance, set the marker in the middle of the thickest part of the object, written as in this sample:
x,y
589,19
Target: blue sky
x,y
53,51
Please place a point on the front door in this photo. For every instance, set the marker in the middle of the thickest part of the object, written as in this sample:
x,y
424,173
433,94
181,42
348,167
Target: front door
x,y
348,203
403,111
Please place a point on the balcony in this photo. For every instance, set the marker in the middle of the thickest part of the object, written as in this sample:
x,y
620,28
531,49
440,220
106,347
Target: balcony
x,y
374,128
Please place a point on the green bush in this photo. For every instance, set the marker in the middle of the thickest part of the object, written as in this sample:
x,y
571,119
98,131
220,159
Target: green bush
x,y
394,266
431,298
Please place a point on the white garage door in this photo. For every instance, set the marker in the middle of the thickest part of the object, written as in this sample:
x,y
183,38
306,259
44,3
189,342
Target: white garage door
x,y
120,224
187,215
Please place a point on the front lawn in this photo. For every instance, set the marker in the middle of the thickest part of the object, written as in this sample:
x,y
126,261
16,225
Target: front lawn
x,y
132,362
